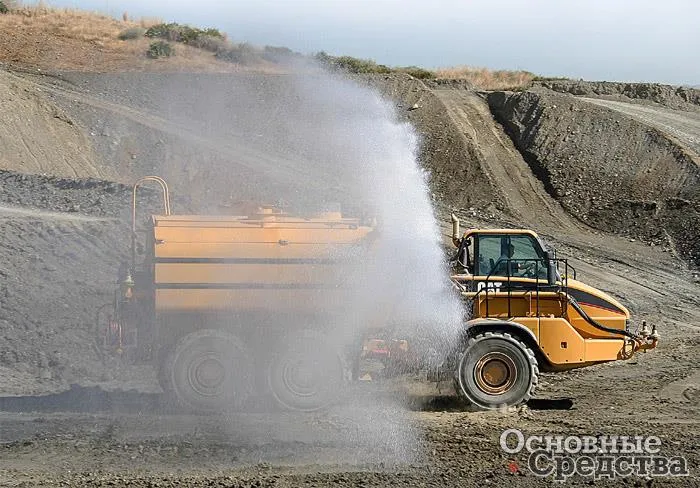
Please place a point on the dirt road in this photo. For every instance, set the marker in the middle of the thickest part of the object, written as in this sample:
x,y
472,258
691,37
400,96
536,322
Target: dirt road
x,y
28,213
521,193
413,438
683,125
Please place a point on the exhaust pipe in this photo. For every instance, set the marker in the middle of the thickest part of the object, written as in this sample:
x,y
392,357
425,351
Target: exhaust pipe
x,y
456,240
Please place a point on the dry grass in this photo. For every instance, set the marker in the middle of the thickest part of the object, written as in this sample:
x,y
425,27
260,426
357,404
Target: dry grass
x,y
148,22
74,24
487,79
68,39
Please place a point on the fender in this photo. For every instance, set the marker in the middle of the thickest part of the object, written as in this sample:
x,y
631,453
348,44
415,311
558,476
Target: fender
x,y
486,324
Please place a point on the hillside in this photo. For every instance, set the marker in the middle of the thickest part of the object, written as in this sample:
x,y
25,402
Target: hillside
x,y
48,39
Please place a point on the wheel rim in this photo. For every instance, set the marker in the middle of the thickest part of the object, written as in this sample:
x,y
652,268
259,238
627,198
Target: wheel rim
x,y
495,373
300,378
206,374
304,379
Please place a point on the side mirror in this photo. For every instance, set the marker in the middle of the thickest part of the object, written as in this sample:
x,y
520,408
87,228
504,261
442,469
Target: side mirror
x,y
551,268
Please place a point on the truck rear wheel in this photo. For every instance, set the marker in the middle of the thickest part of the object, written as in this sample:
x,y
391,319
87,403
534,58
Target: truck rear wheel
x,y
306,373
496,370
209,370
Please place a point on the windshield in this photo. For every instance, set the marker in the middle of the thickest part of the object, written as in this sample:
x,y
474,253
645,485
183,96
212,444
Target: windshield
x,y
511,255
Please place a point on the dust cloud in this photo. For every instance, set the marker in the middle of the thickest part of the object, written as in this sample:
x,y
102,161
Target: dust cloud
x,y
318,141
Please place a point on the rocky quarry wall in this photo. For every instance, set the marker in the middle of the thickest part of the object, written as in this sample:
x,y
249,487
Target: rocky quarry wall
x,y
608,170
679,97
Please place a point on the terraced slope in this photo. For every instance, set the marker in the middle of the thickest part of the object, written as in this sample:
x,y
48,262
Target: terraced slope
x,y
521,194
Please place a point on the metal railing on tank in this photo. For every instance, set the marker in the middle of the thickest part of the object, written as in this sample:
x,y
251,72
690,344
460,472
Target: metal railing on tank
x,y
166,209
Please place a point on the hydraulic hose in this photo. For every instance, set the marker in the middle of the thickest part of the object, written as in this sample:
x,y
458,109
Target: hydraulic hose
x,y
599,326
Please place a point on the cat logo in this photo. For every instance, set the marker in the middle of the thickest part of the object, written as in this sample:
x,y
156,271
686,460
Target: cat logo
x,y
492,285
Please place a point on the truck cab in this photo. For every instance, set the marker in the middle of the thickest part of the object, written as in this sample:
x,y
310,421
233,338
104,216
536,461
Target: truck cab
x,y
529,313
505,253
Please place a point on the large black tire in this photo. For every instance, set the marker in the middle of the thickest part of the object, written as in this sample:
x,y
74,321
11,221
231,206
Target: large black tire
x,y
306,372
209,371
496,370
165,357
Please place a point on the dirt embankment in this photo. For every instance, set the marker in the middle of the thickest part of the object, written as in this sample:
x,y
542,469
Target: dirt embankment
x,y
681,125
456,179
207,134
44,38
37,136
62,240
607,169
677,97
521,195
473,167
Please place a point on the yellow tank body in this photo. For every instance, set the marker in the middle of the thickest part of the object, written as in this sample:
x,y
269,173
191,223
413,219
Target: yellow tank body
x,y
231,307
265,262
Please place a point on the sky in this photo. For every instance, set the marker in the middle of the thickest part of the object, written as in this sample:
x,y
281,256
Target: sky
x,y
613,40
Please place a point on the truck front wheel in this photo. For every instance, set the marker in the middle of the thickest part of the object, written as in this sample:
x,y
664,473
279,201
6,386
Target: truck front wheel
x,y
209,370
496,370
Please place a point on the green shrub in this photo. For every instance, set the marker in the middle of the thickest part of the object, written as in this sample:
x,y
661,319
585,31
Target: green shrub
x,y
324,58
416,72
183,33
131,33
160,49
3,8
276,54
210,43
243,53
350,64
158,30
356,65
211,32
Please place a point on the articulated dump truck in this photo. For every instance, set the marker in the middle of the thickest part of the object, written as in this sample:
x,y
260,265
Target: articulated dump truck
x,y
231,307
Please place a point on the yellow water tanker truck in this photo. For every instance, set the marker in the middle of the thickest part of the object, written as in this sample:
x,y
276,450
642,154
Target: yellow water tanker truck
x,y
227,307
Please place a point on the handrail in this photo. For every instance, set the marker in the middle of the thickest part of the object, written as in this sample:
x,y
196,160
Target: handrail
x,y
166,196
510,286
166,208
